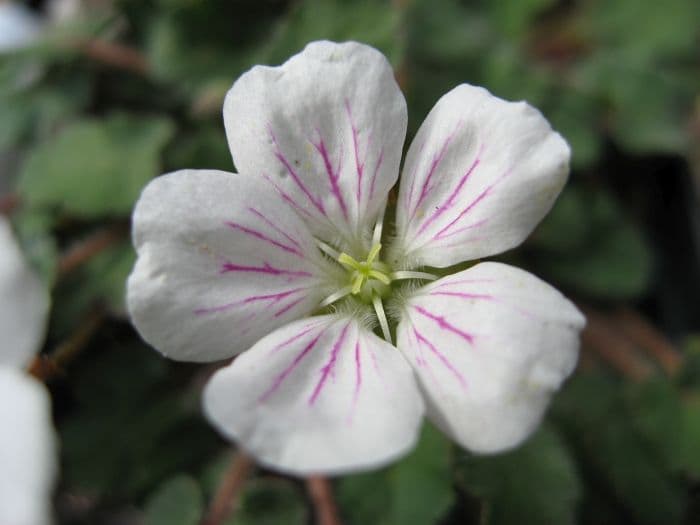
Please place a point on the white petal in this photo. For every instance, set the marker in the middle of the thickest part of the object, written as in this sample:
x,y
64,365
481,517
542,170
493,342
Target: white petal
x,y
24,303
490,345
19,26
327,129
479,175
27,450
222,260
321,395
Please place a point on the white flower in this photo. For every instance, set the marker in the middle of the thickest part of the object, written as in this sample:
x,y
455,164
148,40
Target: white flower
x,y
27,441
228,261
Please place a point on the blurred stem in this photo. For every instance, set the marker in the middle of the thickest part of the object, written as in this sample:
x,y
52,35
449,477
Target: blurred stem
x,y
646,336
87,248
226,496
321,494
8,203
46,367
114,55
603,337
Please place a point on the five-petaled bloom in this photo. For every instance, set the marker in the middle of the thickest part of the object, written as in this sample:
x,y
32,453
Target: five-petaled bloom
x,y
288,261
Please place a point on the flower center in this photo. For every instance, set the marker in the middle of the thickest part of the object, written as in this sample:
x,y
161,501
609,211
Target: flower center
x,y
368,278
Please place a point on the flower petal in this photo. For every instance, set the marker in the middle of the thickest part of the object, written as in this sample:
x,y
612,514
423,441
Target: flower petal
x,y
27,450
326,129
490,345
24,303
222,260
320,395
479,175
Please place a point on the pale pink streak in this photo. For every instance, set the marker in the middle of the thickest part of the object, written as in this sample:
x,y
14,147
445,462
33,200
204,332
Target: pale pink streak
x,y
333,174
273,298
437,159
380,159
286,197
290,368
358,379
261,236
359,166
272,225
295,176
470,206
289,307
442,357
455,193
266,268
445,325
330,366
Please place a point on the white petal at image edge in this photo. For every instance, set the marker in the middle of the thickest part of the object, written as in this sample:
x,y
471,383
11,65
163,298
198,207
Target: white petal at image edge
x,y
27,450
24,303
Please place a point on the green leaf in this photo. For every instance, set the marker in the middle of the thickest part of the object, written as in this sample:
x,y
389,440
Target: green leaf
x,y
372,22
514,17
538,480
178,501
586,243
415,491
614,445
95,168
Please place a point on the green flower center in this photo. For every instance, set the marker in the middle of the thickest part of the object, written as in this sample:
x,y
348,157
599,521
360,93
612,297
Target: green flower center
x,y
368,278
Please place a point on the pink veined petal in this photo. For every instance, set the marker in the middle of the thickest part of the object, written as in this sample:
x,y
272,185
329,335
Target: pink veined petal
x,y
490,345
222,260
320,395
479,175
326,129
24,303
27,450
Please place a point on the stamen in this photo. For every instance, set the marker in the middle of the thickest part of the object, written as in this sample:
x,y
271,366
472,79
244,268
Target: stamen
x,y
357,283
335,296
328,250
380,276
401,275
381,316
377,234
348,261
373,253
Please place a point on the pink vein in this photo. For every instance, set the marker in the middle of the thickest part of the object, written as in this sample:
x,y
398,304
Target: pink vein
x,y
442,357
288,307
330,366
292,172
359,166
376,171
469,207
275,227
451,199
261,236
305,330
437,159
333,175
266,268
358,377
290,368
463,295
274,298
286,197
445,325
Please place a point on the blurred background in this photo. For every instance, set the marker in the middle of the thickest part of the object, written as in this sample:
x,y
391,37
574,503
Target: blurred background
x,y
99,96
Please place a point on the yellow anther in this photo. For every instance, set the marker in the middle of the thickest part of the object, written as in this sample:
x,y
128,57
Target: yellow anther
x,y
357,283
347,260
373,253
380,276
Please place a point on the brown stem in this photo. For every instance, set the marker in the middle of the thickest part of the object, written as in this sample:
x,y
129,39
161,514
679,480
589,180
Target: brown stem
x,y
87,248
226,496
114,55
46,367
613,347
8,203
646,336
321,494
